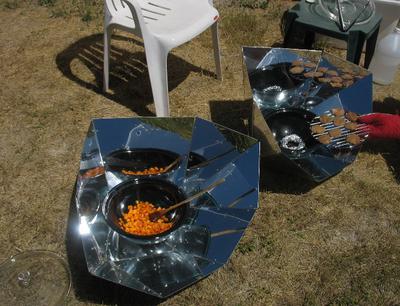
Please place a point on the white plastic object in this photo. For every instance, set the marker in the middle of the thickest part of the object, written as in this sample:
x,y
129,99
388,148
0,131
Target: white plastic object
x,y
163,25
386,59
390,12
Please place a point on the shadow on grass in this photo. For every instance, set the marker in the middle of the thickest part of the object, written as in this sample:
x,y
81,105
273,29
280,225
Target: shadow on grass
x,y
388,105
89,288
233,114
389,149
129,78
276,175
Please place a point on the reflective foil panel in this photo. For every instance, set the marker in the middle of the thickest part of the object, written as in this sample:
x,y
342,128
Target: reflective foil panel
x,y
303,102
194,153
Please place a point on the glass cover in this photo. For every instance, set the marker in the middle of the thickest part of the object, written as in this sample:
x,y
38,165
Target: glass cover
x,y
306,99
190,154
348,12
34,278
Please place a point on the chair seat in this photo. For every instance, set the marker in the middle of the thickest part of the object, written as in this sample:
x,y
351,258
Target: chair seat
x,y
173,21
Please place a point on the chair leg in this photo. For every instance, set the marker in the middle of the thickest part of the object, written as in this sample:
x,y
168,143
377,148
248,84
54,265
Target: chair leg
x,y
106,60
370,48
355,44
156,58
288,25
309,39
217,52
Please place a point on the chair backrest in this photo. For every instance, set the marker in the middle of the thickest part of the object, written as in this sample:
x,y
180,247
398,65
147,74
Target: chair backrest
x,y
152,10
118,7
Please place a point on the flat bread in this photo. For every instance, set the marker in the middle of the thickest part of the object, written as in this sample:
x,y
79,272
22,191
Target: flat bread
x,y
335,132
353,139
324,139
317,129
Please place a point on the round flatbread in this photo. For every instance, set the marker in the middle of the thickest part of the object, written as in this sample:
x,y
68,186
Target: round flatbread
x,y
325,118
335,132
324,80
336,85
336,79
347,76
337,111
348,71
351,116
312,74
317,129
351,126
332,73
338,121
297,63
353,139
310,65
324,139
348,83
296,70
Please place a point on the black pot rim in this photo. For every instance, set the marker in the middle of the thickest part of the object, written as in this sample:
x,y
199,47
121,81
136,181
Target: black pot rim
x,y
142,150
116,189
298,111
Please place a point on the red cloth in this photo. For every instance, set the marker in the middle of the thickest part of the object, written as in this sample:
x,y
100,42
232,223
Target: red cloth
x,y
380,125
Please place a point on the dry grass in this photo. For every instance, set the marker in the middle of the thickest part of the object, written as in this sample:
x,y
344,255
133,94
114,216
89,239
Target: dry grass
x,y
336,244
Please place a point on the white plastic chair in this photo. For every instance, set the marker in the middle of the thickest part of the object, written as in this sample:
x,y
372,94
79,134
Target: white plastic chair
x,y
163,25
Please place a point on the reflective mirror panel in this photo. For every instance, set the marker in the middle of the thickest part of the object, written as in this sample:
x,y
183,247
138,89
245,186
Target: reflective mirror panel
x,y
133,166
310,102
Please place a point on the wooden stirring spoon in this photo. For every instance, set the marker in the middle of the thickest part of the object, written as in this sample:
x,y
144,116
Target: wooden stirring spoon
x,y
171,165
158,214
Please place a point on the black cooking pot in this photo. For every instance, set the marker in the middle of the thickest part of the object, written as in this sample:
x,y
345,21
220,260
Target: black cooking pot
x,y
140,159
160,193
272,75
275,86
284,123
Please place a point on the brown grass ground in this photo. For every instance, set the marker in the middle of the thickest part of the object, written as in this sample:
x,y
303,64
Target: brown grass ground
x,y
336,244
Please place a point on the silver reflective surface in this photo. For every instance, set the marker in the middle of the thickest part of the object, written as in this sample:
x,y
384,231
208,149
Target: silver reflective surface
x,y
293,87
209,227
